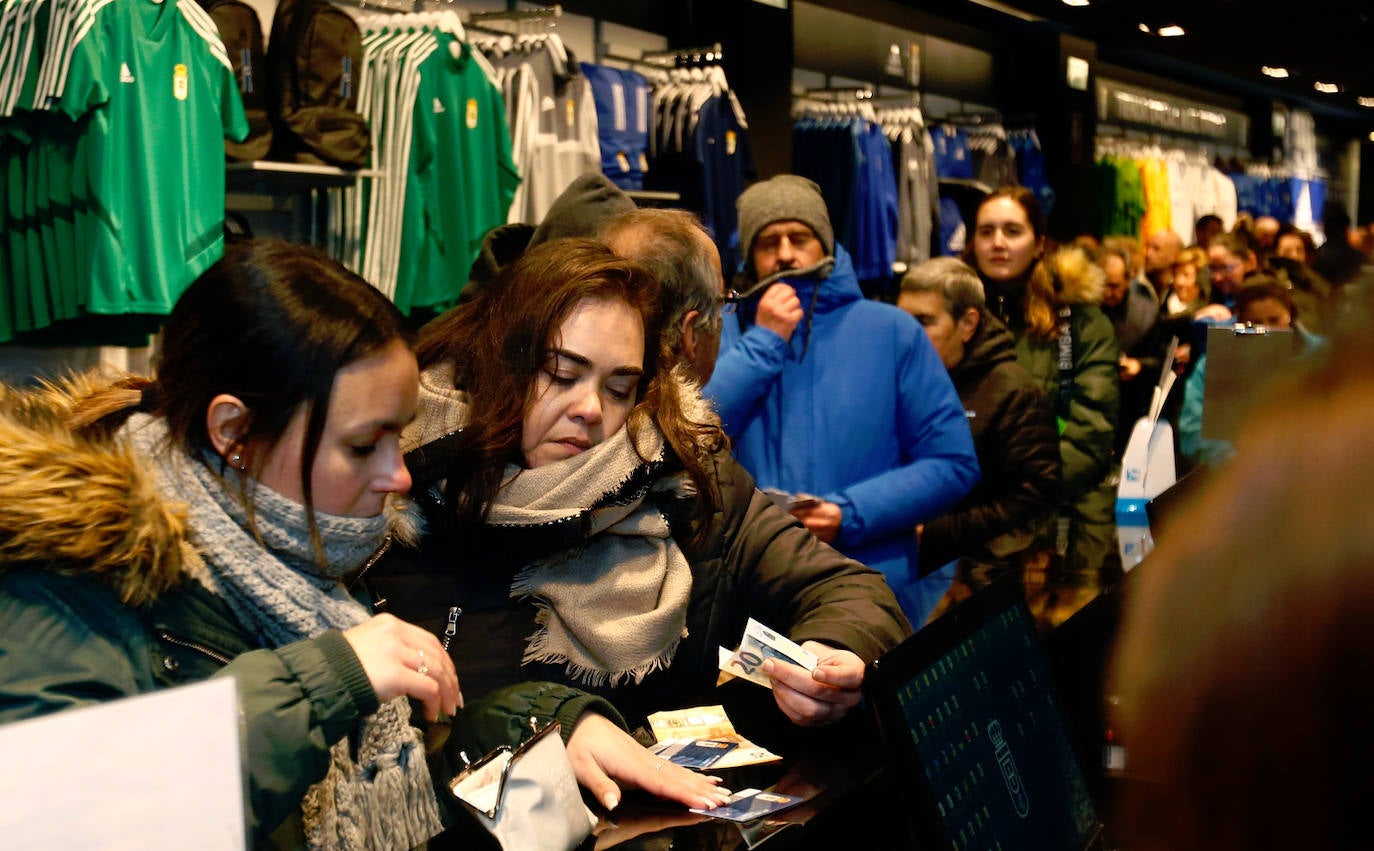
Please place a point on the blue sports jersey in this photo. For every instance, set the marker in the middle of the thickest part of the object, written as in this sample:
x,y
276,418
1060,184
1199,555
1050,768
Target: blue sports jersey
x,y
622,115
953,158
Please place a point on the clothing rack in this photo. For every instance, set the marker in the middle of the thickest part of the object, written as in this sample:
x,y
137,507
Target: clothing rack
x,y
1116,139
526,21
971,119
889,101
616,60
443,20
542,13
840,94
380,5
684,56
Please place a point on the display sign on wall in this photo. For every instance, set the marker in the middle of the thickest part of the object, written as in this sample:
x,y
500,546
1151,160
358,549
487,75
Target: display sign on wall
x,y
1122,104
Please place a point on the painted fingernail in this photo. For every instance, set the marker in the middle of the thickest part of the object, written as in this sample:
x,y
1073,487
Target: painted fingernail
x,y
610,801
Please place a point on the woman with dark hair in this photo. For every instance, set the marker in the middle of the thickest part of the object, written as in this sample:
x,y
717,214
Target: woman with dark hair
x,y
587,520
160,531
1049,303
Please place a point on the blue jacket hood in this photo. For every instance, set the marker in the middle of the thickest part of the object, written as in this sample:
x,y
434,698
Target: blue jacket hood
x,y
839,289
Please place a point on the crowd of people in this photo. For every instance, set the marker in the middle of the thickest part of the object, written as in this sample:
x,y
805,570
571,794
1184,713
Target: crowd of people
x,y
560,498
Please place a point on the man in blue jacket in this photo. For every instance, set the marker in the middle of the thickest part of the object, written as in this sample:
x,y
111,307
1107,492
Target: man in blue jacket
x,y
828,394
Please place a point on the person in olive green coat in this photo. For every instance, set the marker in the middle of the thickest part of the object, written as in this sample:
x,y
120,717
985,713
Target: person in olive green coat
x,y
1063,339
159,532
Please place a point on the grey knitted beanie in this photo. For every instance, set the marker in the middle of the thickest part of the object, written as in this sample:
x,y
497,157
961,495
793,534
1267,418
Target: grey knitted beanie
x,y
785,198
583,207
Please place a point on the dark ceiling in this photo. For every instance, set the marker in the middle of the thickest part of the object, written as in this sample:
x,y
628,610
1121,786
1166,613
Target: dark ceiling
x,y
1326,41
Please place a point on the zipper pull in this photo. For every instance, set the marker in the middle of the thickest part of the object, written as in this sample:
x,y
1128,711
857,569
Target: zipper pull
x,y
452,628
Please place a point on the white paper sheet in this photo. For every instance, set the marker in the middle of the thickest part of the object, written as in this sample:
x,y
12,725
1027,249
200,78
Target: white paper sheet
x,y
158,771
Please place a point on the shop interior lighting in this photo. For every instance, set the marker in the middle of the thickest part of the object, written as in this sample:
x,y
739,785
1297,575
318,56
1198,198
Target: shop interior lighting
x,y
1278,73
1076,2
1365,101
1371,137
1326,88
1171,31
1145,28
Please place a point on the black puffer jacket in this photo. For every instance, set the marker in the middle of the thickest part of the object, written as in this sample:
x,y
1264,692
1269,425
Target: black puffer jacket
x,y
1018,451
755,561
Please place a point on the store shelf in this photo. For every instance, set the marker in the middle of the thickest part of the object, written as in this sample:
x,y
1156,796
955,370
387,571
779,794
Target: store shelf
x,y
286,178
650,198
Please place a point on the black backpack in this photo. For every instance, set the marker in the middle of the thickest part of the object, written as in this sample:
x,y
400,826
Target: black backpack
x,y
241,31
315,58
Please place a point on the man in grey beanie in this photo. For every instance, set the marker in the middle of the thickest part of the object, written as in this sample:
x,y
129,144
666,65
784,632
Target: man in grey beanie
x,y
840,402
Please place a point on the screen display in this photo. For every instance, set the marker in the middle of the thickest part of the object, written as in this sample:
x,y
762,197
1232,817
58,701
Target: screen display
x,y
995,754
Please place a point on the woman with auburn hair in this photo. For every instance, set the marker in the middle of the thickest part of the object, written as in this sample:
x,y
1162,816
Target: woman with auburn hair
x,y
586,519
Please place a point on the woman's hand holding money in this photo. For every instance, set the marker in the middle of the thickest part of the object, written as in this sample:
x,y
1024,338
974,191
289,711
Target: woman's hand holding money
x,y
822,696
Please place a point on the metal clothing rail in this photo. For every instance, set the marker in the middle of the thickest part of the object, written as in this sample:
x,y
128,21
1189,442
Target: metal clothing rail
x,y
380,5
840,94
684,56
517,15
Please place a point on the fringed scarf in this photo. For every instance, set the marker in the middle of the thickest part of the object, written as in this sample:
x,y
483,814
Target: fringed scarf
x,y
383,798
613,608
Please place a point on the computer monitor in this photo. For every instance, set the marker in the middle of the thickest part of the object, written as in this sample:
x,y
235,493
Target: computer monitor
x,y
974,735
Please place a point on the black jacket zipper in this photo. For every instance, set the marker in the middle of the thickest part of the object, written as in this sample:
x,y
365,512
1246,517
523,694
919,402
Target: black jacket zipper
x,y
451,628
373,559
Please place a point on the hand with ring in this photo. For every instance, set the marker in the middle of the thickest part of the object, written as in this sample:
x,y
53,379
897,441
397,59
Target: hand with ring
x,y
606,758
387,647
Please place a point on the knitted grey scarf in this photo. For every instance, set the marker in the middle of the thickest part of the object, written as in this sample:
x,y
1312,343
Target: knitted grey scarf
x,y
384,798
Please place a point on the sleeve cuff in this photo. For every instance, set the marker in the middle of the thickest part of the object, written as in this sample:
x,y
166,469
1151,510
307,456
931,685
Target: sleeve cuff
x,y
851,526
572,710
338,653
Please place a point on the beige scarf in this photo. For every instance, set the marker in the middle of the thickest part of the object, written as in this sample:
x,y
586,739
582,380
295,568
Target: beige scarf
x,y
614,608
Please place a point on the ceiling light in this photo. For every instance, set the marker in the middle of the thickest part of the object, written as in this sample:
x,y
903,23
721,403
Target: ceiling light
x,y
1144,28
1326,88
1076,2
1171,31
1371,137
1365,101
1279,73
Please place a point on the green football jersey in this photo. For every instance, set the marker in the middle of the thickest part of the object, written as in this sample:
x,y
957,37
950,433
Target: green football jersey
x,y
162,96
461,170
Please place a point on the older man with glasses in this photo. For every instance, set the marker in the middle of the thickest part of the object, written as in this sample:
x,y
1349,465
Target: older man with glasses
x,y
1229,261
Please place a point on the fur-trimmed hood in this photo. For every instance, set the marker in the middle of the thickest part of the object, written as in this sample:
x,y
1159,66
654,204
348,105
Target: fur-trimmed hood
x,y
1078,280
83,504
91,504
